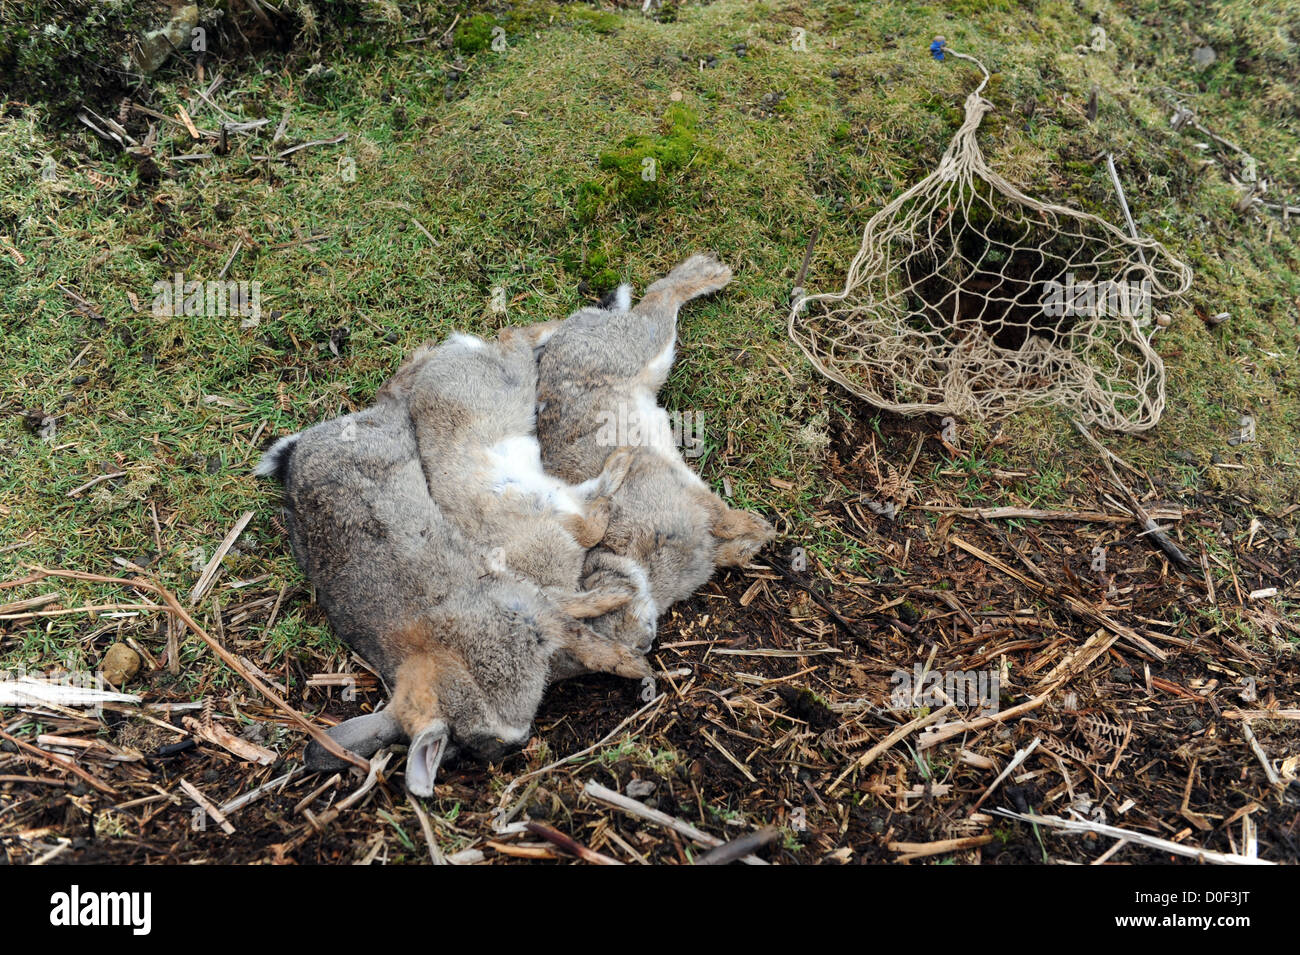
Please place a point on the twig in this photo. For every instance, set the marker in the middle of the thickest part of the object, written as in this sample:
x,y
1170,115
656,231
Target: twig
x,y
1151,842
93,481
1262,756
89,608
447,32
1261,714
239,802
1123,204
435,854
260,13
303,241
85,306
569,844
30,691
869,757
31,603
818,599
217,816
210,571
740,847
315,142
378,763
119,132
728,756
1020,757
983,722
797,292
629,805
922,850
219,736
416,222
62,763
189,123
1143,518
1035,514
1283,207
239,244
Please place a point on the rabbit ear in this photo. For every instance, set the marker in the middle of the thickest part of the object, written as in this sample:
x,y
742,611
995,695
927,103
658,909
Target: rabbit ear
x,y
740,535
536,335
428,747
363,735
614,471
592,603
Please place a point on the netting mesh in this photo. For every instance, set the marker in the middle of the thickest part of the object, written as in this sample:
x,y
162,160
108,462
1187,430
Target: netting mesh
x,y
970,298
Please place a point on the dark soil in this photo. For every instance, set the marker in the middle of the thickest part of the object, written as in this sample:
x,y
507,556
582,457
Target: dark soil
x,y
777,679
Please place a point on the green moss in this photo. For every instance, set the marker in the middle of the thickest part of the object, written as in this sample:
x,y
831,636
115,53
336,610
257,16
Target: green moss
x,y
475,33
641,165
593,265
598,21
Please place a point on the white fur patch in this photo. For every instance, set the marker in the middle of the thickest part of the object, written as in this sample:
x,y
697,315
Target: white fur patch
x,y
656,428
623,298
662,363
466,341
515,466
643,604
270,463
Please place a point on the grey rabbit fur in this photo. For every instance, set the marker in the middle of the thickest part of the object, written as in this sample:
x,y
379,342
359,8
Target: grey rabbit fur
x,y
473,407
667,531
465,645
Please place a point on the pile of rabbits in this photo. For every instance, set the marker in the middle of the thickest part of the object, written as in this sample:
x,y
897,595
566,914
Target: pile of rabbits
x,y
474,536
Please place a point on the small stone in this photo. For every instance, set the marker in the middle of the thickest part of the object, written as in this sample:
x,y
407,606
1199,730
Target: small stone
x,y
1195,726
120,664
1204,56
640,788
1123,675
254,733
